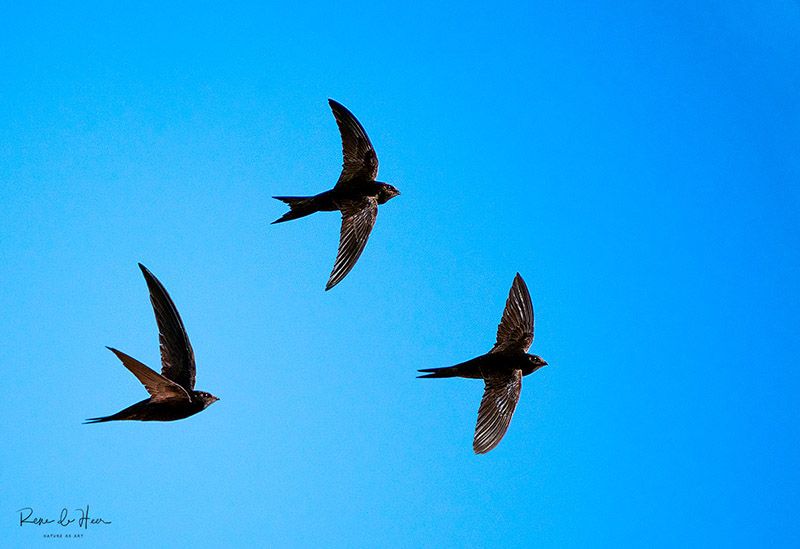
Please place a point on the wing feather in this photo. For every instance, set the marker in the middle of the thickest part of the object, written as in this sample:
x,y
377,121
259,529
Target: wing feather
x,y
177,355
500,397
359,158
515,331
358,218
159,387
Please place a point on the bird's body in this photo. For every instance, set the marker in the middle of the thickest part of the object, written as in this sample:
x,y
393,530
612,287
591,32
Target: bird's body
x,y
356,194
336,199
172,394
489,364
155,410
501,369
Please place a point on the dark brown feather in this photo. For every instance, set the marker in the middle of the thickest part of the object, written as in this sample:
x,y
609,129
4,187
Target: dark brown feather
x,y
360,161
177,356
358,218
500,397
515,331
159,387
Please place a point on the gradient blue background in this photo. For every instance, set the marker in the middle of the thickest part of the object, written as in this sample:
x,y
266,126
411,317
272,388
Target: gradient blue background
x,y
638,165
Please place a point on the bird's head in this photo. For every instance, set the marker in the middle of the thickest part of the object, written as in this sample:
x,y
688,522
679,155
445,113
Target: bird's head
x,y
206,398
536,362
386,193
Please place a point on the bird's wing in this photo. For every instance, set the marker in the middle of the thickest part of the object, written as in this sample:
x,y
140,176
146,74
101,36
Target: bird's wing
x,y
358,218
159,387
360,160
177,356
515,331
500,398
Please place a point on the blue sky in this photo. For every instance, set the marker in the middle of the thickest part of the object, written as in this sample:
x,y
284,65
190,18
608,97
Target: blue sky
x,y
637,165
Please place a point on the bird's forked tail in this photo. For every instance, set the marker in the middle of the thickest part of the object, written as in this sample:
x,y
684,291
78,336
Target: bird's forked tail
x,y
299,206
450,371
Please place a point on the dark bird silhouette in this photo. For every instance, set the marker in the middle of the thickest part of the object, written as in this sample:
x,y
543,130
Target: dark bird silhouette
x,y
172,394
356,194
501,369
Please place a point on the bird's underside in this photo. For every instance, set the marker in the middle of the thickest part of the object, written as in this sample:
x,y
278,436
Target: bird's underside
x,y
501,369
356,194
172,394
152,410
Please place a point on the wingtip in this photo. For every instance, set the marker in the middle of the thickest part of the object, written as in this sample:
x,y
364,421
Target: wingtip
x,y
479,451
152,281
336,106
